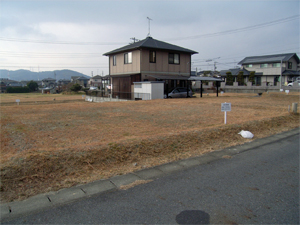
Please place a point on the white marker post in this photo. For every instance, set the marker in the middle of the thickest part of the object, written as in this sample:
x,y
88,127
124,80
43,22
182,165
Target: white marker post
x,y
18,101
224,108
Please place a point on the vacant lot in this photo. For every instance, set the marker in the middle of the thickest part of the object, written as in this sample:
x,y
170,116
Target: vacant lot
x,y
50,142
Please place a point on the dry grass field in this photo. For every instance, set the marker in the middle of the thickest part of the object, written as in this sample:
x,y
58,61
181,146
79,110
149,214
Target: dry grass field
x,y
49,142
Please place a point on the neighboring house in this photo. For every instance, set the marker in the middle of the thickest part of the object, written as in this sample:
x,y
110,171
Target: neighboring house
x,y
95,81
148,60
273,67
14,84
11,83
234,72
62,82
74,78
83,81
49,82
2,87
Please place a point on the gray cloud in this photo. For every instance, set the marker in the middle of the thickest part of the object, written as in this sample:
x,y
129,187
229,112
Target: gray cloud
x,y
173,21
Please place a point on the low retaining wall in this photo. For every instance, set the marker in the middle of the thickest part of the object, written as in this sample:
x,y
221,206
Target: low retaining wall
x,y
102,99
249,88
257,89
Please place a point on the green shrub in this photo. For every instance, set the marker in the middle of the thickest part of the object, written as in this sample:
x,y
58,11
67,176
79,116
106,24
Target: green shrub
x,y
33,86
229,78
75,88
18,90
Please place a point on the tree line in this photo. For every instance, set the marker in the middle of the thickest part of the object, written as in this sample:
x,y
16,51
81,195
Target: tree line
x,y
30,87
239,78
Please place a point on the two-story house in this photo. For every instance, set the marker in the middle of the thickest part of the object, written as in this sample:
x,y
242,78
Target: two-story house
x,y
49,82
83,81
63,82
273,67
95,81
148,60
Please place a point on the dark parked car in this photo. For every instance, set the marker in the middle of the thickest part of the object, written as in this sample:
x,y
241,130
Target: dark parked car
x,y
179,92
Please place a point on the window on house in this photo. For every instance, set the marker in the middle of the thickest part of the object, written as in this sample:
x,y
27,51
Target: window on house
x,y
114,60
128,58
264,65
174,58
152,57
290,65
276,65
248,65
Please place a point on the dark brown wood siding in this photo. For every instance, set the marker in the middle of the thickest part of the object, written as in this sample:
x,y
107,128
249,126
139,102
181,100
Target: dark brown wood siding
x,y
122,85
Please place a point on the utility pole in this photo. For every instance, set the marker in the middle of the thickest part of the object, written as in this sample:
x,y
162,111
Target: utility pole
x,y
215,66
281,75
134,40
209,60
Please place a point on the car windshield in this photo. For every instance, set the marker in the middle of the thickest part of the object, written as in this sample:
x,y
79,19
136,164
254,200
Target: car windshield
x,y
182,89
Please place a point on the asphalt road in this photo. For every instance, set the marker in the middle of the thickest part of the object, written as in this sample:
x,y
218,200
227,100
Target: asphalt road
x,y
256,186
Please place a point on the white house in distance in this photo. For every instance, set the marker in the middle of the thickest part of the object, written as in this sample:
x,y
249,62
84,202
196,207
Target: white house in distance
x,y
272,67
95,81
49,82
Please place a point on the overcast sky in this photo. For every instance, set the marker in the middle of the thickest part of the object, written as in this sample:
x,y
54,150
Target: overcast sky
x,y
49,35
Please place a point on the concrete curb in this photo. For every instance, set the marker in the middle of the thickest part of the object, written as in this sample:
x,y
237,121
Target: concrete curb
x,y
43,201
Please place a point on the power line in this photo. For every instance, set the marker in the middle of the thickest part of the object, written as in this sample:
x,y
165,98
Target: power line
x,y
45,56
60,42
275,22
294,50
271,23
9,54
61,67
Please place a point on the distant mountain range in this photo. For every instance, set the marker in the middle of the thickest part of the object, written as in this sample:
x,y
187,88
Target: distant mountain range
x,y
20,75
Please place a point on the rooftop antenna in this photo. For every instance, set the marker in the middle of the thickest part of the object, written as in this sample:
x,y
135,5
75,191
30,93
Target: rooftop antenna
x,y
149,26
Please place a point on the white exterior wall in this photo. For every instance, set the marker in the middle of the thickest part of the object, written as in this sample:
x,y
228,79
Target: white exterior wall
x,y
149,90
157,91
266,71
270,72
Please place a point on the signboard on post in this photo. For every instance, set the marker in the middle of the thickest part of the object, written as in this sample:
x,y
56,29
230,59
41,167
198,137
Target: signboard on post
x,y
225,107
18,101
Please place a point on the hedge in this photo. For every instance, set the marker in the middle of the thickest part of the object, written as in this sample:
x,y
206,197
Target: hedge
x,y
18,90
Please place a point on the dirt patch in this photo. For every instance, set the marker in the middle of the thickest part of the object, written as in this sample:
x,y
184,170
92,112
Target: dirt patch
x,y
57,145
135,183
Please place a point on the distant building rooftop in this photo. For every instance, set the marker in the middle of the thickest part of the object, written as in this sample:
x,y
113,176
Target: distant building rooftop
x,y
269,58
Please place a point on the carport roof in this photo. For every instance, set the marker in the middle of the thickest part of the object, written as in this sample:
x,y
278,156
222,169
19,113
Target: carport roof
x,y
291,72
191,78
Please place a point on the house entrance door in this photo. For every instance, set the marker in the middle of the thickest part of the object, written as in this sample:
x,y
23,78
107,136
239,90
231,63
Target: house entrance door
x,y
276,80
